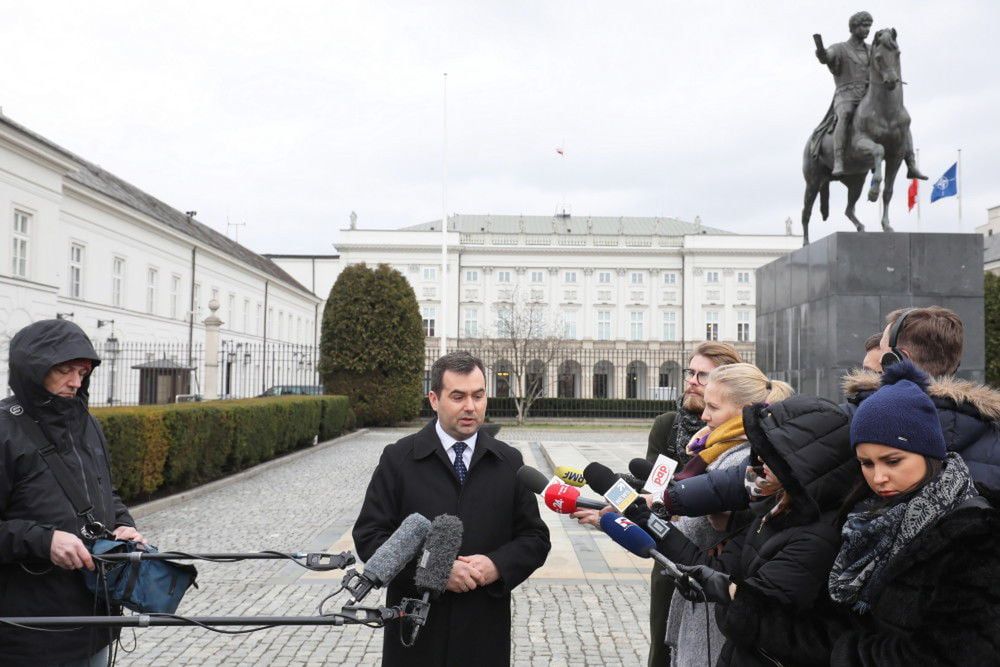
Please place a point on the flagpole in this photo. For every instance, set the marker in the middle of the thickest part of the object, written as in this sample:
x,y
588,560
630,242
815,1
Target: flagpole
x,y
918,196
958,186
443,329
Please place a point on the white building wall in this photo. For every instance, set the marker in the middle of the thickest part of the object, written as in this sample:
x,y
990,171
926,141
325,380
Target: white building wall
x,y
34,179
692,259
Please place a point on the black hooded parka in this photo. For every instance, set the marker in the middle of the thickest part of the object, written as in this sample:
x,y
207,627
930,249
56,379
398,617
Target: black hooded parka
x,y
33,505
784,558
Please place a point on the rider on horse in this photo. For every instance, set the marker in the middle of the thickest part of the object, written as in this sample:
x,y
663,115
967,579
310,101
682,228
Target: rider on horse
x,y
848,62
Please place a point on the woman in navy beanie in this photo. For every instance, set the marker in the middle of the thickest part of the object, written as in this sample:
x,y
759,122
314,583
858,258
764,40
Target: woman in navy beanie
x,y
916,578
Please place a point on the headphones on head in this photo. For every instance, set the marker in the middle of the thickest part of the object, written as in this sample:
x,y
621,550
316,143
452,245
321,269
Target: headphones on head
x,y
895,355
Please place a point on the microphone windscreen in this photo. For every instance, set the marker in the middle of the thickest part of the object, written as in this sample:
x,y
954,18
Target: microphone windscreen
x,y
572,476
627,534
640,468
561,498
440,551
532,479
401,547
599,477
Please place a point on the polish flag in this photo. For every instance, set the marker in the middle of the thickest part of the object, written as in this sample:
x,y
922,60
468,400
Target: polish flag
x,y
911,195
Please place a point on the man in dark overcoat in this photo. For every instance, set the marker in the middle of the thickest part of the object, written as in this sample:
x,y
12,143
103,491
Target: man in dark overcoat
x,y
451,467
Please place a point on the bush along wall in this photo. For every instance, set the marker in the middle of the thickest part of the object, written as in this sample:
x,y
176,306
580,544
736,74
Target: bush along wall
x,y
991,305
609,408
175,447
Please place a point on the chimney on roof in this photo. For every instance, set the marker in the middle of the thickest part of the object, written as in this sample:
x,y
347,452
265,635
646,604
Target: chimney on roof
x,y
190,215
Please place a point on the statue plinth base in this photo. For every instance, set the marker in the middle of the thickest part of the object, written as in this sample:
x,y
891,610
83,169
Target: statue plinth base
x,y
817,305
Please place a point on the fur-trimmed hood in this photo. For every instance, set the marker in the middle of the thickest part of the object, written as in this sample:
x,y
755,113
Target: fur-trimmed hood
x,y
859,384
969,414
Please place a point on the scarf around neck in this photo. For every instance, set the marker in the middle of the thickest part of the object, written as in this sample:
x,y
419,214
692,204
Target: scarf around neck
x,y
686,424
709,445
873,536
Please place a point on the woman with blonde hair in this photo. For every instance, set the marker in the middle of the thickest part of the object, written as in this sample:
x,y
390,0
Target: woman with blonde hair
x,y
722,443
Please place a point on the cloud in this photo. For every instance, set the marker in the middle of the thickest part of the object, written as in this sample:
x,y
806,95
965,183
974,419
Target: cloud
x,y
290,117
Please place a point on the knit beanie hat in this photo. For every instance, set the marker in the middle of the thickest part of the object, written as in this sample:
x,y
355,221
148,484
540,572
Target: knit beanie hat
x,y
900,414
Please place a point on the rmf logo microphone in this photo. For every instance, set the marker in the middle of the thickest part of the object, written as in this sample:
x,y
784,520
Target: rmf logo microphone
x,y
571,476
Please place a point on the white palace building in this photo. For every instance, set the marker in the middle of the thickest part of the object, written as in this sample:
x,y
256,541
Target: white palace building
x,y
633,294
138,276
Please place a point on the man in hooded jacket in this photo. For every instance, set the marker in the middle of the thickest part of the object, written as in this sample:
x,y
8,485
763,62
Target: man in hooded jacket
x,y
41,551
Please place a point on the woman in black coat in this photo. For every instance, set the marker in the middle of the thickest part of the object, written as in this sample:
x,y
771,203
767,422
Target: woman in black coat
x,y
917,580
804,470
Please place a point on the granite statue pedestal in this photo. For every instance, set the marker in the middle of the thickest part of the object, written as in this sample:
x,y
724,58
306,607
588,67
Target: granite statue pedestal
x,y
817,305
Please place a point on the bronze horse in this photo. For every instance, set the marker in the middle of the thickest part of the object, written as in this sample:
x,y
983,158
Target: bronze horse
x,y
879,136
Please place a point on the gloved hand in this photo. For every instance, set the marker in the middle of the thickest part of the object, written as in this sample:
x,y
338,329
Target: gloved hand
x,y
703,584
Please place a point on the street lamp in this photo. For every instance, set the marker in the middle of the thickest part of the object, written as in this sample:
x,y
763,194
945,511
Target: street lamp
x,y
111,350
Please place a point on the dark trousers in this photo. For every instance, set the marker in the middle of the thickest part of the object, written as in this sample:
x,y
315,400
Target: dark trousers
x,y
661,589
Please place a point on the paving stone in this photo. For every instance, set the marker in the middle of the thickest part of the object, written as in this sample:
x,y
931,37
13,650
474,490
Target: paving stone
x,y
310,504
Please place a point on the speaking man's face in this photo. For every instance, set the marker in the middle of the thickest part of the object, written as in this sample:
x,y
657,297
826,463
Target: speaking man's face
x,y
461,407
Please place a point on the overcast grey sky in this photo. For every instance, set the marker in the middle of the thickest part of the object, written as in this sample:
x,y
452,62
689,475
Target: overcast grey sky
x,y
289,117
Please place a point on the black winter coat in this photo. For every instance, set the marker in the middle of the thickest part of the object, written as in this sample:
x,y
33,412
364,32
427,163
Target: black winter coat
x,y
969,414
785,559
939,606
32,504
501,521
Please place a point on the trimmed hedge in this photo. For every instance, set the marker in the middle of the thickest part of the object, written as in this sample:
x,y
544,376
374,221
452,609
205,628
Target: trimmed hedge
x,y
372,344
174,447
575,407
991,307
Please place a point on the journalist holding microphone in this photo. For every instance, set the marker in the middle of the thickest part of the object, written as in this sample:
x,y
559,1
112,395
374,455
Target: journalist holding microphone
x,y
451,467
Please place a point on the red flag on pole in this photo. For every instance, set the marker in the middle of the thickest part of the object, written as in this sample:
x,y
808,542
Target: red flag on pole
x,y
911,195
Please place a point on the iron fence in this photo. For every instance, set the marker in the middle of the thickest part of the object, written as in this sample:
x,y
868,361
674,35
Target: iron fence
x,y
588,370
142,373
252,369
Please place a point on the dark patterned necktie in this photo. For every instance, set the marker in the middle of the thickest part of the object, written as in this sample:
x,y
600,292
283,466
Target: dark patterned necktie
x,y
459,463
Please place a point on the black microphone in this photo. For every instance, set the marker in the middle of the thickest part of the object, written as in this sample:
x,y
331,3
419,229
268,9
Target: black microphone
x,y
601,478
533,479
387,561
640,468
434,568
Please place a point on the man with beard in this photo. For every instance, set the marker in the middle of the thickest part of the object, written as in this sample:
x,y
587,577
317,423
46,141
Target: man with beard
x,y
670,435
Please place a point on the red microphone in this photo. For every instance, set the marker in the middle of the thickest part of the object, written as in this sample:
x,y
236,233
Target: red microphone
x,y
565,499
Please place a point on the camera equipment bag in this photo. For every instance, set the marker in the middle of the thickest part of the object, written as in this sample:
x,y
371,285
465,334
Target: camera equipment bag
x,y
143,585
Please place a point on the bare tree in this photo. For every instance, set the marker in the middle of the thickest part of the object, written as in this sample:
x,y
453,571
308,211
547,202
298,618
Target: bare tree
x,y
527,339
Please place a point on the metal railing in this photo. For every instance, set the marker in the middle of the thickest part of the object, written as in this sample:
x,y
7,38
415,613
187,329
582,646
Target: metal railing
x,y
142,373
251,369
608,370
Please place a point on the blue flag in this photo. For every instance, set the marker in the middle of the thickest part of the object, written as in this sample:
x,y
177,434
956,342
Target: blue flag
x,y
947,185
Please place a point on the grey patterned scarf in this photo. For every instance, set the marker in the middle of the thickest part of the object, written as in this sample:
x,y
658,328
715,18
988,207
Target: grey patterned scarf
x,y
872,537
686,424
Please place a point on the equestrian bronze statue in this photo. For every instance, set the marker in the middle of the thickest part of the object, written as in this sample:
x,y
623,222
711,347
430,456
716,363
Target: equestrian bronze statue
x,y
866,128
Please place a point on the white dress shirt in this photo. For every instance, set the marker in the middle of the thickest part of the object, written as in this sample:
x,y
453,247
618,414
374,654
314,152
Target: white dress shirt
x,y
447,441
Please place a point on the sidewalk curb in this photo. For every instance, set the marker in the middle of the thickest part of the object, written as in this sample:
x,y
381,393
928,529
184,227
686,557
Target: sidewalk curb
x,y
546,456
145,509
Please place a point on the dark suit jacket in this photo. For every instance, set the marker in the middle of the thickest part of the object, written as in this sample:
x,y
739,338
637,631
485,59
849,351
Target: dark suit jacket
x,y
500,518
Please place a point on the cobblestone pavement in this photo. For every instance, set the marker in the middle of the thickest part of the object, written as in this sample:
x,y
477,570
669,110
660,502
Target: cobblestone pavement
x,y
586,606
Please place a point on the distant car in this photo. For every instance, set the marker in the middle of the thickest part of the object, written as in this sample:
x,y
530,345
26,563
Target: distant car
x,y
294,390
